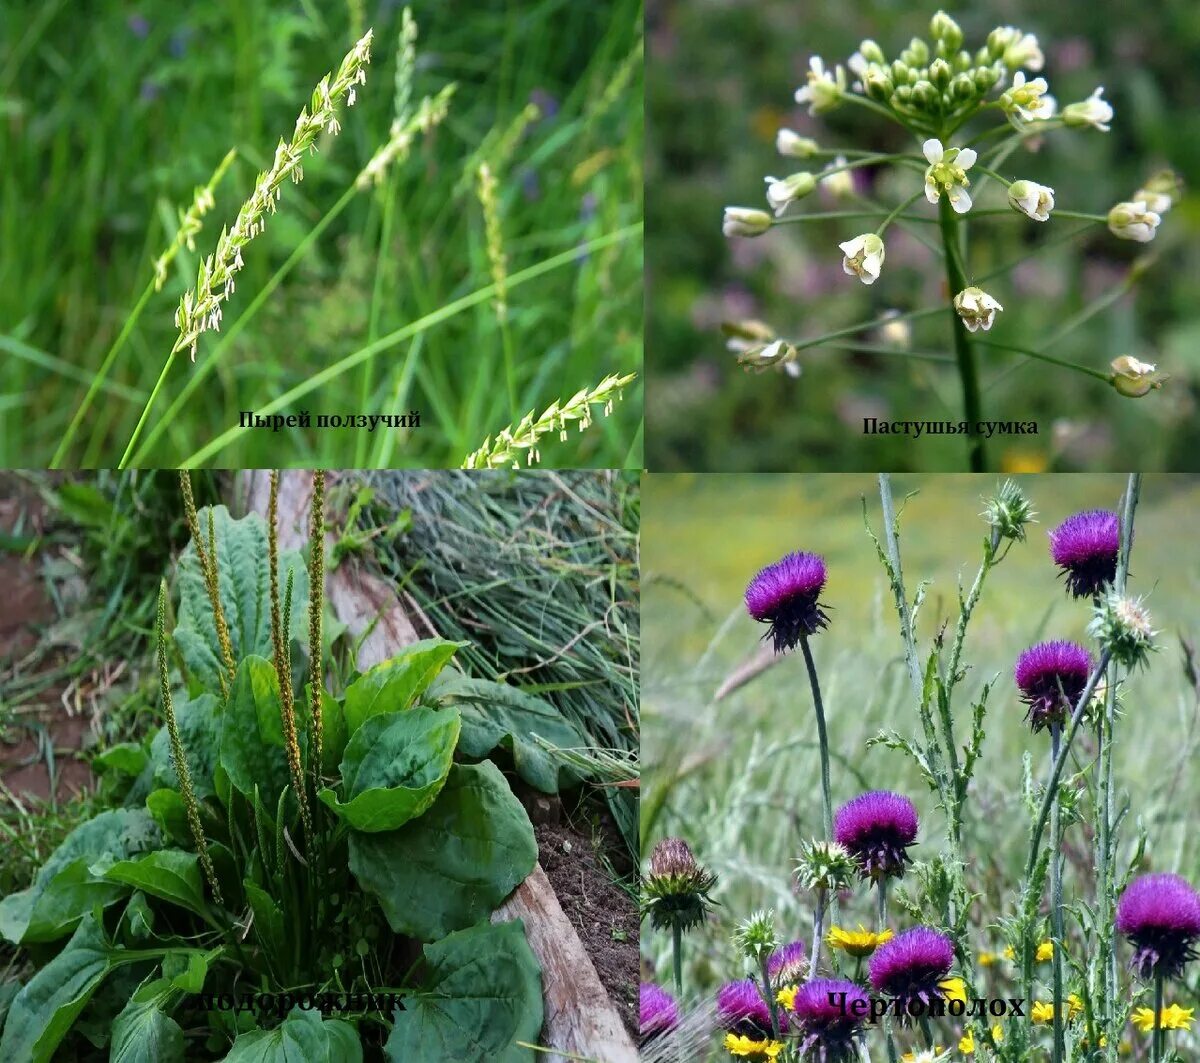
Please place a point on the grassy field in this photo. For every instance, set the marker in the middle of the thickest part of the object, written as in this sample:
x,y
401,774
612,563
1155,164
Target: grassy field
x,y
738,777
721,84
422,292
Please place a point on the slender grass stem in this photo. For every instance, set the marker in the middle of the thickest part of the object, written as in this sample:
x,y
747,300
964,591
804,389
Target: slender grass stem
x,y
1056,901
137,431
381,259
822,738
968,374
101,375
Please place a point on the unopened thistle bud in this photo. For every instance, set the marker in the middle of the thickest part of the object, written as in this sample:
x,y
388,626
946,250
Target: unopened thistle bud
x,y
676,889
1008,511
755,938
825,866
1122,626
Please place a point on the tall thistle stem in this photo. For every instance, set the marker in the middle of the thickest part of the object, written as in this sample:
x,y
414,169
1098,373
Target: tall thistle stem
x,y
178,756
822,738
1056,900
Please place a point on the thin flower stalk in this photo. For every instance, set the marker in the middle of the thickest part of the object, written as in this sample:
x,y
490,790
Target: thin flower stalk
x,y
316,604
178,754
279,643
210,573
508,445
498,263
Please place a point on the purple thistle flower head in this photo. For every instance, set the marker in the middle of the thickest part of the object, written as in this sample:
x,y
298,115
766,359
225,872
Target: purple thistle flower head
x,y
785,594
1085,547
788,964
877,828
742,1010
1051,677
913,965
1160,915
828,1031
658,1012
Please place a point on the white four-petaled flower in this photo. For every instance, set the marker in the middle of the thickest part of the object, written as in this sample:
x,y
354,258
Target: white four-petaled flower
x,y
1133,221
1031,199
863,257
1027,99
1093,112
947,173
976,308
825,87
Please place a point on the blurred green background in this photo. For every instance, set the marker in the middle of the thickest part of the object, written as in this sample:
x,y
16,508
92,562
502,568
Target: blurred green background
x,y
738,777
112,112
721,79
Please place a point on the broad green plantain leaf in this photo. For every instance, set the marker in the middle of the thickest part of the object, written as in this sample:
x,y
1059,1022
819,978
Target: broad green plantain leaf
x,y
199,731
252,745
268,920
452,866
394,768
393,685
301,1038
482,995
169,874
64,890
496,714
143,1032
126,758
43,1011
245,582
170,813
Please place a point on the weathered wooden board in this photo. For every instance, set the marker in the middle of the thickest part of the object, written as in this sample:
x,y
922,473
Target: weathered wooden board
x,y
580,1018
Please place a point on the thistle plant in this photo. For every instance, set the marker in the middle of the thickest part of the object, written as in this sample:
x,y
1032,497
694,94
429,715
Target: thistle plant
x,y
675,895
942,93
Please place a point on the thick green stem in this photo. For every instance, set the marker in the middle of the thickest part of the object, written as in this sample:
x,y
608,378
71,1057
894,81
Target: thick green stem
x,y
1158,1027
769,995
887,1018
822,738
1056,901
818,930
967,371
677,938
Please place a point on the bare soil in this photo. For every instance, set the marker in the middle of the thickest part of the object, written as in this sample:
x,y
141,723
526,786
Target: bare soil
x,y
604,915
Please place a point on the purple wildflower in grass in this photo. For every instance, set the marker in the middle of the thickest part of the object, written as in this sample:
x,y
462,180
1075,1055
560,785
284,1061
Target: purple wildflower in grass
x,y
913,965
788,964
741,1010
1160,915
785,594
828,1032
658,1012
1051,677
1085,547
877,828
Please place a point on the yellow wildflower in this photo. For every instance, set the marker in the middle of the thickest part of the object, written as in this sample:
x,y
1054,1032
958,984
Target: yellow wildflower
x,y
860,942
967,1043
739,1045
954,988
787,996
1045,951
1173,1018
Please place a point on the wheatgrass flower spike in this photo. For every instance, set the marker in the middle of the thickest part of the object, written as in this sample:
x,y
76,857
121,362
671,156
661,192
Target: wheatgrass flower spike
x,y
200,308
505,450
191,221
494,238
178,754
429,115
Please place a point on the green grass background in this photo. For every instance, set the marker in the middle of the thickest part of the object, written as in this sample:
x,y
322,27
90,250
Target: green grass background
x,y
111,113
721,81
740,778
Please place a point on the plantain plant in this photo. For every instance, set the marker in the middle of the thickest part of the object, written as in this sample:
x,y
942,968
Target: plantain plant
x,y
297,871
